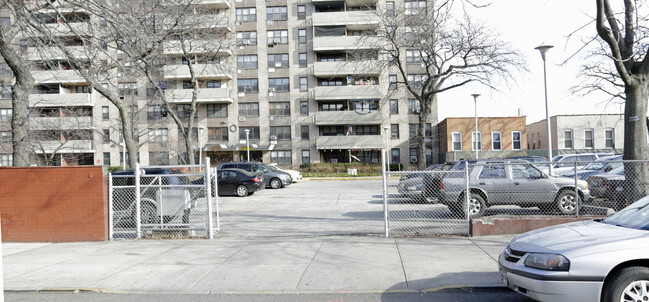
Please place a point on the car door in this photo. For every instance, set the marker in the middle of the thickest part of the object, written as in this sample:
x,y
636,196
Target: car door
x,y
227,181
529,185
493,180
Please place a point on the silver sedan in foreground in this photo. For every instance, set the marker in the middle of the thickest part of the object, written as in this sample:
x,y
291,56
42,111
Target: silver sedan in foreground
x,y
597,260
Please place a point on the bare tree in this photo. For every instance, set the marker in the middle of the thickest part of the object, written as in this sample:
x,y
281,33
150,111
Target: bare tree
x,y
449,49
625,34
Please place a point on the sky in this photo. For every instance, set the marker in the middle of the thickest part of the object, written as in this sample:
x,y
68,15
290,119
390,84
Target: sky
x,y
525,25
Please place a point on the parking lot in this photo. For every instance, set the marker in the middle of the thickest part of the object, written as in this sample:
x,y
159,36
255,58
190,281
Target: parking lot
x,y
307,208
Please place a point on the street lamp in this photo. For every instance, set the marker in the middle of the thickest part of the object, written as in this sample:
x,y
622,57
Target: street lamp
x,y
543,49
200,145
387,147
248,143
475,101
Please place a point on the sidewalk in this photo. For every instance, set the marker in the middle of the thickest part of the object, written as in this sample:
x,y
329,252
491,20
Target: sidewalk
x,y
322,264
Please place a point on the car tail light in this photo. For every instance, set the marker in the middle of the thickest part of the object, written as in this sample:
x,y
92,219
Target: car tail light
x,y
256,179
441,185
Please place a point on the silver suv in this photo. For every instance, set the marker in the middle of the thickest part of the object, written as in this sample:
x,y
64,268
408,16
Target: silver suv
x,y
272,179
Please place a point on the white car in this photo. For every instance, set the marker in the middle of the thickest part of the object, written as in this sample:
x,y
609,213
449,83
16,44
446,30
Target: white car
x,y
597,260
295,175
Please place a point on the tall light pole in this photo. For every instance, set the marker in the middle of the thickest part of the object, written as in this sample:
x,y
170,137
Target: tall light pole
x,y
543,49
200,145
248,143
475,101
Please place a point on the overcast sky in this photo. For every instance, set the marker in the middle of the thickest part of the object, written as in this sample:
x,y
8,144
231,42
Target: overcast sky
x,y
527,24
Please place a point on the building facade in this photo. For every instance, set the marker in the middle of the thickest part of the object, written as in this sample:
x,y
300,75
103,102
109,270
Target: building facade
x,y
579,132
299,86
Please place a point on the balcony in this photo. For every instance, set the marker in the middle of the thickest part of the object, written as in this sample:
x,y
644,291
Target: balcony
x,y
348,118
81,146
57,76
349,142
355,92
207,3
344,68
195,46
205,95
60,100
203,71
201,21
69,29
54,53
345,43
55,123
354,19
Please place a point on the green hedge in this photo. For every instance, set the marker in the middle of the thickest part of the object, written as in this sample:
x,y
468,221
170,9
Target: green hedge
x,y
325,169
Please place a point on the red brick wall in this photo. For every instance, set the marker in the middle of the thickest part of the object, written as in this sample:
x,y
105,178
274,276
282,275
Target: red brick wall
x,y
53,204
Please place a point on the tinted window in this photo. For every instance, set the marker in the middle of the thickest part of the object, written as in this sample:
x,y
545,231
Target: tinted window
x,y
229,166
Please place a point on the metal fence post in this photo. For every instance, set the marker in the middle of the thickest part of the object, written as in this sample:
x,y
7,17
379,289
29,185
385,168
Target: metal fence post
x,y
576,193
111,213
138,222
208,189
467,197
385,195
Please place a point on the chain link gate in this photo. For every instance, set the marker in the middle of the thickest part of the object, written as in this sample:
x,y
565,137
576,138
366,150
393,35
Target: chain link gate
x,y
172,202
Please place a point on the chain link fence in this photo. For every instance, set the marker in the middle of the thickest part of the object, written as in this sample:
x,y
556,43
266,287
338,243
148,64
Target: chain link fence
x,y
163,202
443,199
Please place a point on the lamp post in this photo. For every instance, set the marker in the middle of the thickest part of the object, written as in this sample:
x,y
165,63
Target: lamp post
x,y
543,49
200,145
387,148
248,143
475,101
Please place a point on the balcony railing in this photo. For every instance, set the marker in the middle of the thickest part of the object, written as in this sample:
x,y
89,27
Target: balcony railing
x,y
54,53
60,100
349,142
195,46
205,95
348,118
57,76
57,123
71,146
345,43
210,71
348,18
353,92
343,68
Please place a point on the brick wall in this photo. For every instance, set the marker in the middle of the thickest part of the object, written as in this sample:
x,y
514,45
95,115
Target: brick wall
x,y
53,204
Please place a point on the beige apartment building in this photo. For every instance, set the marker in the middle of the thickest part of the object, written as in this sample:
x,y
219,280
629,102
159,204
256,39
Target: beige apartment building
x,y
291,80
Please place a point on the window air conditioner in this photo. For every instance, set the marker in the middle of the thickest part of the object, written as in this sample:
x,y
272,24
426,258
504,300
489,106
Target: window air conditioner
x,y
413,159
273,138
271,89
242,118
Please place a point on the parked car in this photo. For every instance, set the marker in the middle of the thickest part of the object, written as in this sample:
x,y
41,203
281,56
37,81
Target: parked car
x,y
532,159
595,260
162,195
610,186
432,181
411,184
272,179
295,175
601,165
235,182
509,182
566,162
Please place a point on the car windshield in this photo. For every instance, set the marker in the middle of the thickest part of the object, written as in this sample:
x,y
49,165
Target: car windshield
x,y
595,165
635,216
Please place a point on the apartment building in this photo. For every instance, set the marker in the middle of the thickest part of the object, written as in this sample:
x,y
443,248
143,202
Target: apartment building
x,y
579,132
298,87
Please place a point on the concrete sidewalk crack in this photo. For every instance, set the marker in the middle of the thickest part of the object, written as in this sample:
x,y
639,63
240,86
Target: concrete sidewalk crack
x,y
299,282
403,267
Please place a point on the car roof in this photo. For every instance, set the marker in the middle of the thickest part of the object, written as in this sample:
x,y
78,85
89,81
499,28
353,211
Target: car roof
x,y
238,170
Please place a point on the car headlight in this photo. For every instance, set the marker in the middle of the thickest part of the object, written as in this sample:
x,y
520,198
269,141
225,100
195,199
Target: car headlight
x,y
548,262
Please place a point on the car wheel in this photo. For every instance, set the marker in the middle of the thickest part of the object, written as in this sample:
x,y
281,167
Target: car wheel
x,y
242,191
566,202
628,284
148,214
275,183
477,206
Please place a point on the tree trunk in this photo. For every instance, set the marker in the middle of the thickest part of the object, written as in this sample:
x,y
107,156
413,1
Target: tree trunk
x,y
635,142
421,133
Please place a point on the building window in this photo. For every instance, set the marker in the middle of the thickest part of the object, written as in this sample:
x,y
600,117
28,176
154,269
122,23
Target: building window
x,y
248,85
254,133
414,7
332,130
414,106
5,71
276,13
106,136
281,132
476,141
394,106
278,60
159,135
184,111
306,156
367,130
304,84
5,23
5,137
496,140
416,56
217,133
279,84
6,91
517,140
417,80
154,112
6,160
280,109
393,82
281,157
588,139
217,110
302,59
567,139
248,109
396,155
301,12
159,158
248,14
609,136
457,141
394,130
304,107
5,114
304,132
105,112
301,35
246,38
533,143
127,89
414,155
277,37
106,158
389,8
247,62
